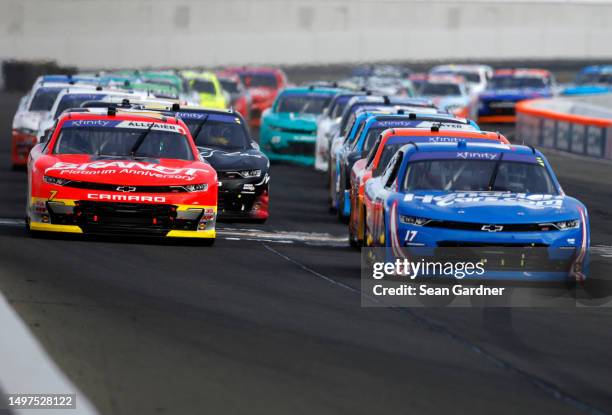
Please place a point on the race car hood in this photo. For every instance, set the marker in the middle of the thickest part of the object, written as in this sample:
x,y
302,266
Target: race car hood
x,y
126,171
490,207
30,119
290,120
234,160
514,94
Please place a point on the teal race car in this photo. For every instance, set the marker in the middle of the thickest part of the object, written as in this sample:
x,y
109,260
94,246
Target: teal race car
x,y
288,130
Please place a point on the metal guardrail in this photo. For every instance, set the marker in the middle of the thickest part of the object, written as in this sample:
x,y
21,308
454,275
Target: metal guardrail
x,y
566,124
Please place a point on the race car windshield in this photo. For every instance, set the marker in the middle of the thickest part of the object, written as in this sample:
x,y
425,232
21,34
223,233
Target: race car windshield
x,y
478,175
229,86
43,99
219,134
508,82
203,86
256,80
594,78
302,104
440,89
74,101
119,142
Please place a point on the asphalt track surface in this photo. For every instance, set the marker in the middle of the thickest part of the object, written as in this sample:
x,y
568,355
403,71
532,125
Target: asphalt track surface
x,y
256,325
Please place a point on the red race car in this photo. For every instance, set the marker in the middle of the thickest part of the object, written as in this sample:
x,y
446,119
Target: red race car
x,y
104,171
240,97
263,85
385,148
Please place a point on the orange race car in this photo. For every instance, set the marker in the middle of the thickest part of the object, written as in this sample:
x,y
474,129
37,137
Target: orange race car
x,y
386,146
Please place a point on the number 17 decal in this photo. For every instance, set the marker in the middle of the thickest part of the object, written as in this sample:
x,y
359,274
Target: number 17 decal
x,y
410,235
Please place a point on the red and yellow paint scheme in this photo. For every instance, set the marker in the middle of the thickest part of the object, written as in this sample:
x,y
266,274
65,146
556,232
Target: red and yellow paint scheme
x,y
162,188
364,169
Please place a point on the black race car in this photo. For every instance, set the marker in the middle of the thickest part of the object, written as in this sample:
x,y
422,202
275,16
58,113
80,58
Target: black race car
x,y
223,140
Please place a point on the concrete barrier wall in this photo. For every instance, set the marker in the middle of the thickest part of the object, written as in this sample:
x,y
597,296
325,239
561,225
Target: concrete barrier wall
x,y
158,33
567,124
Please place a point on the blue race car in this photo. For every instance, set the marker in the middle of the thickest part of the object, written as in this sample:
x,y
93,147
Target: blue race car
x,y
595,79
507,87
289,129
356,106
361,139
493,197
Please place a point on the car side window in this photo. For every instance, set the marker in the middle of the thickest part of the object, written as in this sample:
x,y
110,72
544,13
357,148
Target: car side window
x,y
392,169
373,152
47,135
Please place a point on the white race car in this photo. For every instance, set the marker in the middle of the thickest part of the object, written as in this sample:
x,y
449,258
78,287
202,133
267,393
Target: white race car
x,y
327,128
34,107
74,97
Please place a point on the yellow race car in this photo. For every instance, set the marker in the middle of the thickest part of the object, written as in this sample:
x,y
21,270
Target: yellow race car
x,y
207,88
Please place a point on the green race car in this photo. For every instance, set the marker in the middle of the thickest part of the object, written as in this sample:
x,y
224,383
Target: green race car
x,y
289,128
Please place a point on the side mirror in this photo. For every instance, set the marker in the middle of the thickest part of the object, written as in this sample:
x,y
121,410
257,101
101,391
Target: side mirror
x,y
255,145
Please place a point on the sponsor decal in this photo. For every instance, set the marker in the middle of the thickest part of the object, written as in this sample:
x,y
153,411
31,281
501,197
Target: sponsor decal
x,y
142,125
468,155
89,123
536,201
125,198
97,168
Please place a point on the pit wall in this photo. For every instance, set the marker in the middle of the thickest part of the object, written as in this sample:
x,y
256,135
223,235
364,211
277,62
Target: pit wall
x,y
575,126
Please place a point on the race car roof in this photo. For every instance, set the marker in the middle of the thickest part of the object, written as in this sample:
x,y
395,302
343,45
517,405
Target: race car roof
x,y
466,146
117,115
197,113
310,90
596,69
445,131
522,72
391,100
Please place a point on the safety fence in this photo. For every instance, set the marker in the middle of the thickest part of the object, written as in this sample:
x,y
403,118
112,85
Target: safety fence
x,y
566,124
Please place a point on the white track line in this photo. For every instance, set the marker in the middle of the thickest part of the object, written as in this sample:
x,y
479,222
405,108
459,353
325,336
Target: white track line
x,y
235,234
25,367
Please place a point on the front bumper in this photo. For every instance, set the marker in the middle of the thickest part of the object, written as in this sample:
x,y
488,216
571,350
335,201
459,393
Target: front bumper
x,y
21,144
241,199
516,256
298,148
497,111
117,218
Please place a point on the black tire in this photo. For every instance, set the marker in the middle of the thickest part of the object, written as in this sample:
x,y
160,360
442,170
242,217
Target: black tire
x,y
208,242
364,236
354,242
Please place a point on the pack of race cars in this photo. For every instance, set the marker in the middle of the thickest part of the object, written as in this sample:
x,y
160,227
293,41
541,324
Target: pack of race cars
x,y
159,153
